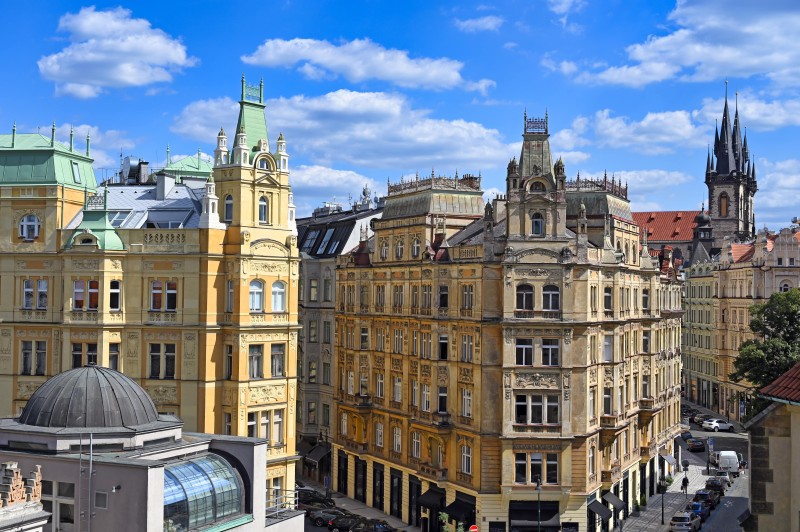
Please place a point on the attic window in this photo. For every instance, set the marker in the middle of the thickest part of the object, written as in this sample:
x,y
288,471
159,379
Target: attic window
x,y
87,241
76,172
679,216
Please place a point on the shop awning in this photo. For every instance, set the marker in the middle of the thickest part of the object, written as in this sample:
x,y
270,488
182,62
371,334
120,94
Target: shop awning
x,y
615,501
744,517
459,510
600,510
433,498
669,459
527,514
317,453
303,446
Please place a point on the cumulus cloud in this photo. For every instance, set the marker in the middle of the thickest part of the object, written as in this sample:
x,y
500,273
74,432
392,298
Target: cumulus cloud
x,y
361,60
755,112
473,25
364,129
109,48
565,67
105,144
316,184
564,8
710,41
656,133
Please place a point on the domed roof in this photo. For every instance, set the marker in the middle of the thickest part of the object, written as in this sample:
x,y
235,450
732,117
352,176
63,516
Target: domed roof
x,y
91,396
702,218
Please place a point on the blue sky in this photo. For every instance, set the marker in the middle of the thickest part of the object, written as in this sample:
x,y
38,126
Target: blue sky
x,y
369,90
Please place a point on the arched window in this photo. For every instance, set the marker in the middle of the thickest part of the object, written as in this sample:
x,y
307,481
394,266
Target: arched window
x,y
537,187
256,296
785,287
228,208
29,227
537,224
398,250
551,298
384,250
415,248
262,164
263,210
723,205
524,297
278,296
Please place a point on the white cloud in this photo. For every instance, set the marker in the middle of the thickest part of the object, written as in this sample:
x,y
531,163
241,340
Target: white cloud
x,y
565,67
315,184
361,60
755,112
364,129
656,133
572,158
648,181
490,193
104,146
564,7
472,25
110,49
510,45
778,184
710,41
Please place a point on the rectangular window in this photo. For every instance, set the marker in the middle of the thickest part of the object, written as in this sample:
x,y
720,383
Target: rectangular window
x,y
414,393
227,422
645,341
608,348
27,294
172,296
41,294
327,289
162,361
228,362
251,424
343,424
114,293
278,359
363,383
550,352
76,172
113,356
379,435
551,468
312,413
466,348
94,294
466,459
443,344
326,332
536,409
27,357
442,406
379,385
256,361
326,415
78,294
312,371
415,445
467,297
524,352
351,384
77,355
397,439
229,296
326,373
443,297
313,290
397,390
364,338
520,468
466,402
398,341
608,299
277,426
536,468
312,331
607,401
426,398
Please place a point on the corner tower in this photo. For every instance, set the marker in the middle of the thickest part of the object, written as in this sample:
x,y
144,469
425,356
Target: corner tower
x,y
731,181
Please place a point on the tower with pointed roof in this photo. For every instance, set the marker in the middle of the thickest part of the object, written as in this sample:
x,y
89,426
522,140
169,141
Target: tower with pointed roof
x,y
731,181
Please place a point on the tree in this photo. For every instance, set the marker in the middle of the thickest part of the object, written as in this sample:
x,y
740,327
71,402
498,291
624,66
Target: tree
x,y
777,346
445,520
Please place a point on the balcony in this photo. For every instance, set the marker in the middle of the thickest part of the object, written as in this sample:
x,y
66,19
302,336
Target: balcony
x,y
541,314
646,452
436,473
444,312
357,447
611,425
465,312
363,401
524,314
378,308
441,419
396,309
648,408
611,476
364,309
425,311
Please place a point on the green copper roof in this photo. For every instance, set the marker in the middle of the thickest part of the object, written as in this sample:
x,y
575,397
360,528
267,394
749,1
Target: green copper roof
x,y
95,223
191,165
251,114
34,161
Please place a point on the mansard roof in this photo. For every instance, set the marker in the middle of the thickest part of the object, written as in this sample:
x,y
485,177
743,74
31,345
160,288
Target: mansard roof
x,y
35,159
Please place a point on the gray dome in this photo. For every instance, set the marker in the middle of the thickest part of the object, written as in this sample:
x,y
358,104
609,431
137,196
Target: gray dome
x,y
89,397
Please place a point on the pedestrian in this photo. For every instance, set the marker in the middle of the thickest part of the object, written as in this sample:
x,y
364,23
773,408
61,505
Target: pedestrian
x,y
685,486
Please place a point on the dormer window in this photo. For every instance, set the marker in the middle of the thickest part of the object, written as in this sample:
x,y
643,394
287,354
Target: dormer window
x,y
29,227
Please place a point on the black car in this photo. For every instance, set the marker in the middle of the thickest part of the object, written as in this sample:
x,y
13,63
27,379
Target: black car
x,y
344,523
313,499
685,435
712,498
716,484
373,525
323,516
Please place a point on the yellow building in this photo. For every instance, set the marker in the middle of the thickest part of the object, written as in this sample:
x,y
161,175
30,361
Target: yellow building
x,y
193,296
495,361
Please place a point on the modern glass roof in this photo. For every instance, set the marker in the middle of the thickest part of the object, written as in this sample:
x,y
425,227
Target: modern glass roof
x,y
200,491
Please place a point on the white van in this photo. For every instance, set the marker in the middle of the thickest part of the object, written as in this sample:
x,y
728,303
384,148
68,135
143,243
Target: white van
x,y
728,461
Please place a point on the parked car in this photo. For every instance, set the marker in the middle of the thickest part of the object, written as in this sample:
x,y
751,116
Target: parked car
x,y
685,521
321,516
717,425
724,476
698,418
310,498
310,505
715,484
373,525
685,435
695,444
344,522
728,461
700,509
711,497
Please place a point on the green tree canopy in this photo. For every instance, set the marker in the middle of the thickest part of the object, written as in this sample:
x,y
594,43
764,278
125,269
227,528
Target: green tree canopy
x,y
777,348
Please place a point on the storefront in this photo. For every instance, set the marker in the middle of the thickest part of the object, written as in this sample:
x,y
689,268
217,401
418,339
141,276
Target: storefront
x,y
534,516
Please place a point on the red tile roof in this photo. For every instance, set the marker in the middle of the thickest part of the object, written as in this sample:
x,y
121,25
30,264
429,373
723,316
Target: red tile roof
x,y
785,388
742,252
667,225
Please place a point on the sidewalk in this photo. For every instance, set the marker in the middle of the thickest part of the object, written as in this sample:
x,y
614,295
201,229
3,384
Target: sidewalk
x,y
738,427
358,507
649,519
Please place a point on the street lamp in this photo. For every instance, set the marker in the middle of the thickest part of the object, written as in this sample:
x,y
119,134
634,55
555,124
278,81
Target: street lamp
x,y
538,480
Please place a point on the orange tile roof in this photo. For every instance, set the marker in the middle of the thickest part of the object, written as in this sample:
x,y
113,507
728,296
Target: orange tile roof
x,y
786,387
742,252
667,225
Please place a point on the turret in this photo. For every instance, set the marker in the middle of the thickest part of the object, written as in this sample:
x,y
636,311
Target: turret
x,y
283,157
221,151
241,152
292,217
209,219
